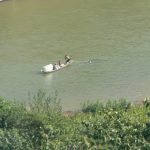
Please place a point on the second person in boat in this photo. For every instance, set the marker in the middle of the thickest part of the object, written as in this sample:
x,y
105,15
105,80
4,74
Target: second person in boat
x,y
60,64
67,59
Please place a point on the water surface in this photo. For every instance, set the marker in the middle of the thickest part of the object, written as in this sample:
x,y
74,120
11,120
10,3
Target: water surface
x,y
115,35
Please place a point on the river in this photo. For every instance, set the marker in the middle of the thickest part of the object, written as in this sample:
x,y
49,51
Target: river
x,y
114,35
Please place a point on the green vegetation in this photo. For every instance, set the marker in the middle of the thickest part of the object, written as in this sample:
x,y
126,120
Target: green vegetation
x,y
43,126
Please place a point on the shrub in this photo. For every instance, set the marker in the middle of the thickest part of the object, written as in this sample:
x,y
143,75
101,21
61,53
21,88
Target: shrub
x,y
43,104
11,140
114,125
147,102
10,114
122,104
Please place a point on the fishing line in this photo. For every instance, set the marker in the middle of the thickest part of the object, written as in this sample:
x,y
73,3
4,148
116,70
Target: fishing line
x,y
95,60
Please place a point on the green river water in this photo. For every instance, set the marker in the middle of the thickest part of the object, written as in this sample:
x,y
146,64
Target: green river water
x,y
113,34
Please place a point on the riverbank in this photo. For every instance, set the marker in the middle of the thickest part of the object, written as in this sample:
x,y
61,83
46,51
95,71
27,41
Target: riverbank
x,y
115,125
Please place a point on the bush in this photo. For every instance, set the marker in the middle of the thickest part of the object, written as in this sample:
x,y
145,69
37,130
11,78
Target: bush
x,y
10,114
43,104
122,104
114,125
11,140
147,102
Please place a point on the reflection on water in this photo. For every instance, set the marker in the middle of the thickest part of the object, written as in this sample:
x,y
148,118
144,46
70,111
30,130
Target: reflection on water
x,y
48,77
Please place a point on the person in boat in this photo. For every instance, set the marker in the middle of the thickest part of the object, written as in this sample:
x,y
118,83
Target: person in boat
x,y
54,66
60,64
57,66
67,59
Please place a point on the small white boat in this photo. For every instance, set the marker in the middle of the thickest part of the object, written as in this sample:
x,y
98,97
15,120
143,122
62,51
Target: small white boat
x,y
49,68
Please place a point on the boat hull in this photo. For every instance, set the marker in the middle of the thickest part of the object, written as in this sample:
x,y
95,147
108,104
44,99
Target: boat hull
x,y
62,67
